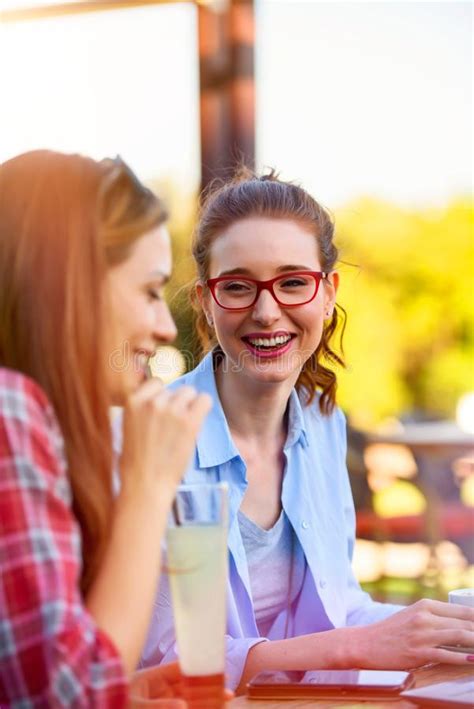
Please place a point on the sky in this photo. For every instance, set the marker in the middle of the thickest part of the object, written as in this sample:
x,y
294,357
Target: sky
x,y
353,98
105,83
367,98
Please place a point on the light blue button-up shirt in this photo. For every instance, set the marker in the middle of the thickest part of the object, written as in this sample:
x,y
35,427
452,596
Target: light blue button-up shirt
x,y
317,499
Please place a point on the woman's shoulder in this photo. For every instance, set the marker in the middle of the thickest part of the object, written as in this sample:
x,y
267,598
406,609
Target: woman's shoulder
x,y
14,379
26,415
325,429
332,419
21,397
32,449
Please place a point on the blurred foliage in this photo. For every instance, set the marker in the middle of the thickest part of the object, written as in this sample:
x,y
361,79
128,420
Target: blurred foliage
x,y
407,285
410,331
183,210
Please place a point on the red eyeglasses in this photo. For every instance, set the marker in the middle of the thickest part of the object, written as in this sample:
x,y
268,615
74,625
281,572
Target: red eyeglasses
x,y
289,290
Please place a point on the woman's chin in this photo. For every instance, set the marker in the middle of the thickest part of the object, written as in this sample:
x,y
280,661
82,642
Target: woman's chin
x,y
272,372
128,383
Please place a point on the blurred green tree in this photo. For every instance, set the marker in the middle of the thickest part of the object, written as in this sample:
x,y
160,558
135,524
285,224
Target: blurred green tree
x,y
410,332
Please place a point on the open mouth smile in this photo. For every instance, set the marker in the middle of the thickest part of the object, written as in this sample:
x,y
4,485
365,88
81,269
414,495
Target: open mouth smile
x,y
268,345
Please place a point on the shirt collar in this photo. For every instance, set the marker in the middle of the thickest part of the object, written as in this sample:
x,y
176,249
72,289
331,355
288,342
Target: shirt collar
x,y
296,422
214,444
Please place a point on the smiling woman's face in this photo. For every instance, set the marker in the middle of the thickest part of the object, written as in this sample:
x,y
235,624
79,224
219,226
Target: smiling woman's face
x,y
262,248
138,318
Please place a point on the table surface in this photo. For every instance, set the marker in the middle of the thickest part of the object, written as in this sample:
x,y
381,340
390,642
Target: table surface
x,y
427,675
427,434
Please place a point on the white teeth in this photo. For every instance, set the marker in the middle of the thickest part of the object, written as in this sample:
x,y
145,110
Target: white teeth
x,y
270,341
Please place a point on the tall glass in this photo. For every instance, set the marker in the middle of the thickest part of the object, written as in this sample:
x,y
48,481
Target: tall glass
x,y
197,565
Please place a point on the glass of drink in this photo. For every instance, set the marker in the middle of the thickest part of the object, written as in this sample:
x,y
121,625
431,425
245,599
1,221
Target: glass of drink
x,y
197,565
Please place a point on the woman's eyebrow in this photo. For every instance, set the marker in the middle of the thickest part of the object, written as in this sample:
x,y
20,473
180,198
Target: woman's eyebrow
x,y
159,276
233,271
293,267
280,269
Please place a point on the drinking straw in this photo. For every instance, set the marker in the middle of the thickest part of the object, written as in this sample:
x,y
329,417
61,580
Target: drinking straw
x,y
174,510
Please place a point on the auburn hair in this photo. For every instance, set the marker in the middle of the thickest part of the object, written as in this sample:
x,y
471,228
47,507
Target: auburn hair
x,y
64,219
250,195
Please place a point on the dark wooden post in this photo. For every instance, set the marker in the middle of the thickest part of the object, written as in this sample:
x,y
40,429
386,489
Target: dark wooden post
x,y
227,89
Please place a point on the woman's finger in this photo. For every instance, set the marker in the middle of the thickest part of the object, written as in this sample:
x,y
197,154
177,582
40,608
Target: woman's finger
x,y
161,400
147,390
138,703
454,636
181,398
450,610
449,657
160,678
439,622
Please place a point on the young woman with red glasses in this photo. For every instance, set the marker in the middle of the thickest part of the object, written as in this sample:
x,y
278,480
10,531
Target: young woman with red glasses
x,y
267,317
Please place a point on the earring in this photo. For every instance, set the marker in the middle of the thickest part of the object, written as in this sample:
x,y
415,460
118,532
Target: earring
x,y
210,321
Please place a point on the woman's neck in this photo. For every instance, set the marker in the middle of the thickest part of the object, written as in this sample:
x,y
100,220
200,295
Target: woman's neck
x,y
254,410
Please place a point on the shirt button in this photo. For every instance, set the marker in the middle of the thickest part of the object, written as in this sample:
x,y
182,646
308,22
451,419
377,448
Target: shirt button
x,y
305,524
322,583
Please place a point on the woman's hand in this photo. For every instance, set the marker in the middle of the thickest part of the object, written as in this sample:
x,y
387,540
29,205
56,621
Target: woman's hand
x,y
405,640
411,637
159,686
159,434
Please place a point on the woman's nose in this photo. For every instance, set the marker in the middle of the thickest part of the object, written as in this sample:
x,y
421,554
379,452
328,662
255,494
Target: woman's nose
x,y
164,330
266,309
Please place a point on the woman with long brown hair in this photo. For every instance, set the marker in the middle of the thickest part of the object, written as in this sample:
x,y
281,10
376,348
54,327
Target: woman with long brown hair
x,y
268,319
84,258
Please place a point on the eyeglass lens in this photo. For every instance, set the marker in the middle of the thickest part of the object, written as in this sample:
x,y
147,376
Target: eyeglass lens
x,y
289,290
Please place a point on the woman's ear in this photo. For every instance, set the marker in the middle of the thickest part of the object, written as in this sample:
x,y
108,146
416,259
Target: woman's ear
x,y
204,302
333,280
199,290
332,284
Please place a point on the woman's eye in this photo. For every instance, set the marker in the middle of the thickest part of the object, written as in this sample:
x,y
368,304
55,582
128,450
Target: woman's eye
x,y
154,294
293,283
236,286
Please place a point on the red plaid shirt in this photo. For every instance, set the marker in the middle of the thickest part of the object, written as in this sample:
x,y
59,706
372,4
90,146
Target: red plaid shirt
x,y
52,654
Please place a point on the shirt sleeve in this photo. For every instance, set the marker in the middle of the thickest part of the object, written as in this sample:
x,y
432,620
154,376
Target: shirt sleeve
x,y
361,609
237,650
52,653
